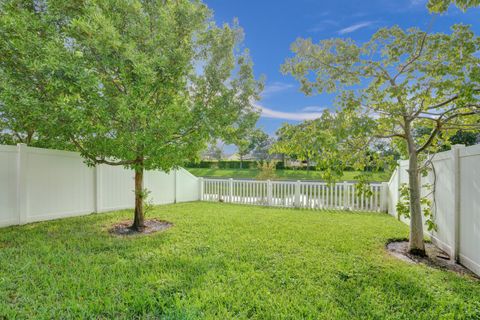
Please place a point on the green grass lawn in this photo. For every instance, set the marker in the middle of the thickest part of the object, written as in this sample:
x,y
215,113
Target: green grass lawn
x,y
224,261
281,174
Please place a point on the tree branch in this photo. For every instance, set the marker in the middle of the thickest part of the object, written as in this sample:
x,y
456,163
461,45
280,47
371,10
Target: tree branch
x,y
100,160
414,58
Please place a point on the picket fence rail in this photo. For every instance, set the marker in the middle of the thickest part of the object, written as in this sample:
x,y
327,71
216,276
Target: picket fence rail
x,y
296,194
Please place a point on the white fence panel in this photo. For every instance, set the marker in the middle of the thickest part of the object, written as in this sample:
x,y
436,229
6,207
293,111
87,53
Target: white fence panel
x,y
115,187
187,186
299,194
161,186
40,184
469,205
8,186
58,184
456,205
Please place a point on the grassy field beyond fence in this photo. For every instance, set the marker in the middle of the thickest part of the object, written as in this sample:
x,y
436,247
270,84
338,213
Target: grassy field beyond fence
x,y
281,174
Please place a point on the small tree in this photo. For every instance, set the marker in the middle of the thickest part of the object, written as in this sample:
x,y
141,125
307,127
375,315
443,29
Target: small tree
x,y
149,83
267,170
399,81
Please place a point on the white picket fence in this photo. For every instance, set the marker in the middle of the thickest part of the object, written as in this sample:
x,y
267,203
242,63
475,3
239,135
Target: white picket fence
x,y
299,194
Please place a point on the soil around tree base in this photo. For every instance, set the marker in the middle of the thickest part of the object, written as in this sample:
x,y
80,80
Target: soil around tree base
x,y
123,228
434,257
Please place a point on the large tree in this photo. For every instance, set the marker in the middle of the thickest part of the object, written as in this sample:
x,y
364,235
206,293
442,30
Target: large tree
x,y
139,84
400,80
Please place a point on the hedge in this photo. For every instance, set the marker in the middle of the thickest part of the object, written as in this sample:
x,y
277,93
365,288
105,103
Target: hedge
x,y
235,164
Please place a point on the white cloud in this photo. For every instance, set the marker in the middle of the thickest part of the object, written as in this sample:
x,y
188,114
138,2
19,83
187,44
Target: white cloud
x,y
356,27
298,116
276,87
313,109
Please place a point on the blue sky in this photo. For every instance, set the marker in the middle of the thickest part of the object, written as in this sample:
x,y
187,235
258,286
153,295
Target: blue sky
x,y
271,26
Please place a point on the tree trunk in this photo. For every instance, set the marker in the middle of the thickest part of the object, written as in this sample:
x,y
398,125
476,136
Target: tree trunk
x,y
139,219
241,161
416,244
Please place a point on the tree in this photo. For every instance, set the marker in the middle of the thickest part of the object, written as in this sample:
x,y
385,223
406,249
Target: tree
x,y
297,141
146,84
334,141
247,140
266,170
442,5
214,151
263,143
467,138
399,80
30,47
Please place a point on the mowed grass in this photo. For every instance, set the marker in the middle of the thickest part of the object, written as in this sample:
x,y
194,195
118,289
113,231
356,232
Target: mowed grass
x,y
222,261
281,174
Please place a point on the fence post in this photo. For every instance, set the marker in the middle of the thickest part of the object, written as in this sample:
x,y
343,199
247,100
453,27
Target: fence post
x,y
175,187
200,189
22,196
297,194
98,188
384,197
345,195
399,185
456,200
269,192
230,190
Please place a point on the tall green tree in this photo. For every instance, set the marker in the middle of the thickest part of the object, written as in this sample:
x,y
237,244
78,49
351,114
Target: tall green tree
x,y
146,84
399,80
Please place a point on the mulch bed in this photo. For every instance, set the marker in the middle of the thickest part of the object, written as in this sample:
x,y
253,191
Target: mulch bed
x,y
434,257
151,226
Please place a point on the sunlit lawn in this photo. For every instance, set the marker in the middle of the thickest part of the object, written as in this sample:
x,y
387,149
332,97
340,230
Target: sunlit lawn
x,y
281,174
224,261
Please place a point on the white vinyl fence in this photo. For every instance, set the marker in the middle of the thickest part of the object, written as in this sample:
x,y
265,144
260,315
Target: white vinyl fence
x,y
299,194
40,184
456,201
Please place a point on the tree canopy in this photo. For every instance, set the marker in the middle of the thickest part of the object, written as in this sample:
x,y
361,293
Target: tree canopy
x,y
141,84
31,48
399,80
